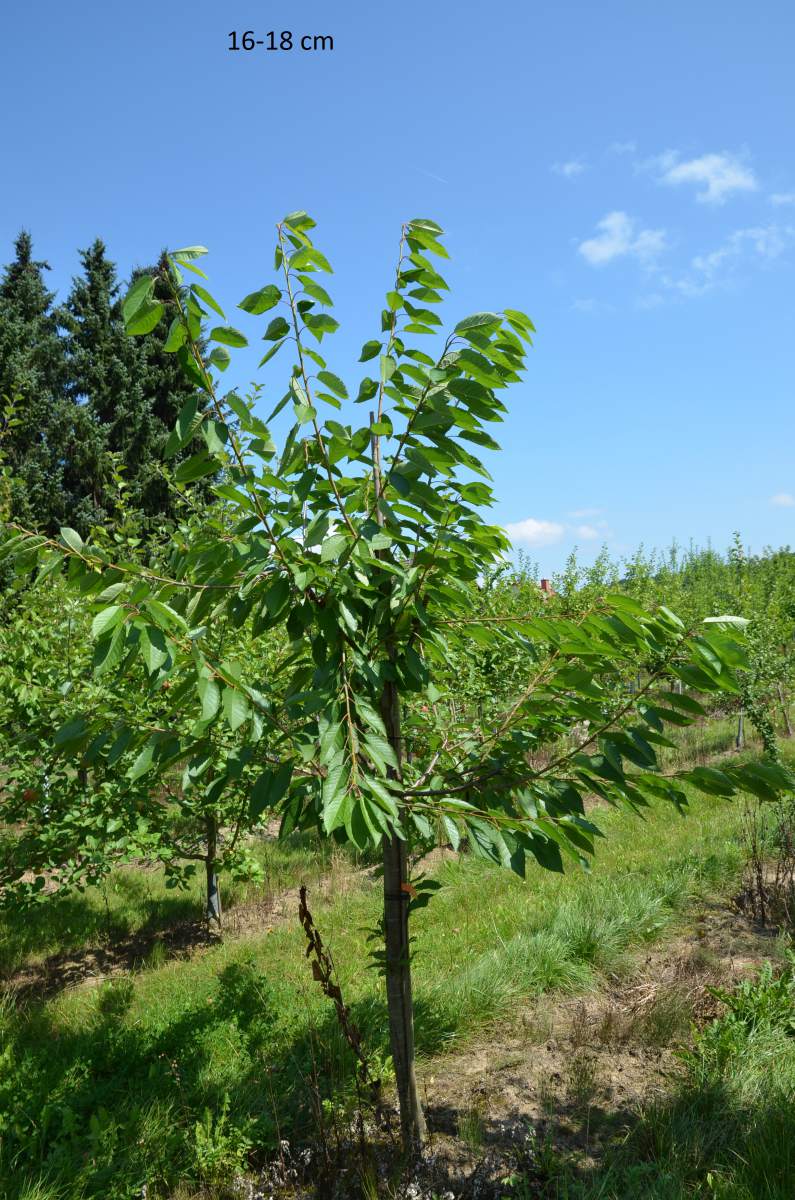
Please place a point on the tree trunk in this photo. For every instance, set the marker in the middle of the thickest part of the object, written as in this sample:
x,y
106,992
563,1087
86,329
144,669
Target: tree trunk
x,y
213,893
398,966
396,908
739,740
785,711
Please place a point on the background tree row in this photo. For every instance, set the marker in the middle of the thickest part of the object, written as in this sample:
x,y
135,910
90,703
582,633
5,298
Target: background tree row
x,y
85,410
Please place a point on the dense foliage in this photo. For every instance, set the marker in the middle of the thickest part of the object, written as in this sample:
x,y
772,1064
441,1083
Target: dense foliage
x,y
84,408
336,643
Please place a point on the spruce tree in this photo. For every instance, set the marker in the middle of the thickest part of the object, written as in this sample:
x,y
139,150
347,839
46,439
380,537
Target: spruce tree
x,y
132,391
40,444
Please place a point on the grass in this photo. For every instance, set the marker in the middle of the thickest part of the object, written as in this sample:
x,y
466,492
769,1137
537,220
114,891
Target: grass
x,y
167,1076
135,902
727,1129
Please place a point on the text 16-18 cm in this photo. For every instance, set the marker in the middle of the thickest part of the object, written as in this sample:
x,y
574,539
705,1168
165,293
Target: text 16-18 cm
x,y
285,40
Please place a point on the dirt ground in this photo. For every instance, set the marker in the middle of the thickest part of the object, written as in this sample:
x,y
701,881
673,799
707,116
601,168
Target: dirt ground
x,y
571,1074
566,1077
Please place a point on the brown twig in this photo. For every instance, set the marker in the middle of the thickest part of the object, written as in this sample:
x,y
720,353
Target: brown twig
x,y
323,972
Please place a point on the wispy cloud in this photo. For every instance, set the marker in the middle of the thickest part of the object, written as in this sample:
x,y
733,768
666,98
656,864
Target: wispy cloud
x,y
587,304
535,532
622,148
570,169
652,300
718,175
761,243
781,198
580,514
618,237
430,174
783,500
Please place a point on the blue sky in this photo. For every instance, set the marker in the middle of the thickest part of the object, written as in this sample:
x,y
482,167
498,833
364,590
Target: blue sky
x,y
623,172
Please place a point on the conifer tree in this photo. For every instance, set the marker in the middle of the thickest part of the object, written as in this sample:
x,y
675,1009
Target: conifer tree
x,y
42,429
132,391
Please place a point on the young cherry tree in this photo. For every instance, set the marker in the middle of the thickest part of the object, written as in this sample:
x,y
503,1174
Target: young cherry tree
x,y
365,541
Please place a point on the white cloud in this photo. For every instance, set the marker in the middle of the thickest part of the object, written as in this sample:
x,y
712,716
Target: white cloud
x,y
618,237
720,174
760,243
780,198
533,532
622,148
570,169
783,500
536,533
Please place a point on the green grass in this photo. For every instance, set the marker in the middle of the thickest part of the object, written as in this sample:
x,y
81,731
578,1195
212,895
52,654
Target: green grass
x,y
136,902
726,1130
102,1088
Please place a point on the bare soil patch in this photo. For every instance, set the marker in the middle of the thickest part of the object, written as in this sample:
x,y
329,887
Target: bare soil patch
x,y
569,1075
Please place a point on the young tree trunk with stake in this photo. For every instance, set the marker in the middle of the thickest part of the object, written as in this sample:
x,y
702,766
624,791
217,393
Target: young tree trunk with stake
x,y
400,1006
398,957
785,710
213,911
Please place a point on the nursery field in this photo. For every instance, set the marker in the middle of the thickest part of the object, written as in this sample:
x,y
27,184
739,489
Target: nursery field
x,y
341,855
179,1066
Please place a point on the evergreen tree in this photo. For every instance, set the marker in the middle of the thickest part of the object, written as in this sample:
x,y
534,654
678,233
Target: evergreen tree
x,y
42,429
131,390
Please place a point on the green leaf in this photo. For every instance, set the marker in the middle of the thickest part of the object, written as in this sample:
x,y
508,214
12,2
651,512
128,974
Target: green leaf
x,y
71,733
72,539
278,328
428,226
270,353
299,220
177,336
188,252
320,323
165,614
204,295
269,789
313,289
452,831
220,357
477,321
145,318
708,779
154,648
367,389
333,546
261,301
210,696
107,619
277,596
140,293
236,707
335,796
228,336
144,761
334,383
195,467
